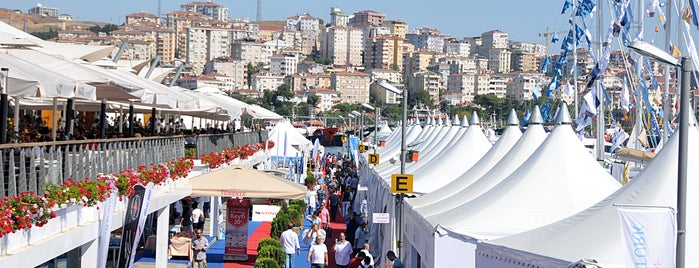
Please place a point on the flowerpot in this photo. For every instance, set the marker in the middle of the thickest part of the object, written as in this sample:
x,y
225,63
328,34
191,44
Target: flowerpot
x,y
88,214
51,228
11,242
68,217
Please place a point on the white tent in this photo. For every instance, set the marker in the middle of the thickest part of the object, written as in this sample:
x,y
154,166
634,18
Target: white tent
x,y
558,180
392,149
595,232
478,181
287,141
258,112
453,160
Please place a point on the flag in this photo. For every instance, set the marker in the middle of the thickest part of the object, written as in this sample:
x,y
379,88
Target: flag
x,y
545,65
618,139
106,228
692,5
555,38
536,92
656,227
625,96
552,87
135,218
585,8
687,15
568,90
525,118
568,4
676,52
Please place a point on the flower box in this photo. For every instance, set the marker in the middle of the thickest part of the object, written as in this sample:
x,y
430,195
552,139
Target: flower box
x,y
51,228
68,217
11,242
88,214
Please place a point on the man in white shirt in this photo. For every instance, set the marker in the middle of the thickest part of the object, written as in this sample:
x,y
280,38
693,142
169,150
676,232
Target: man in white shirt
x,y
364,209
343,250
318,254
290,244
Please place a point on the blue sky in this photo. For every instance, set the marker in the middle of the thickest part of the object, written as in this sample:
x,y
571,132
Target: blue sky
x,y
521,19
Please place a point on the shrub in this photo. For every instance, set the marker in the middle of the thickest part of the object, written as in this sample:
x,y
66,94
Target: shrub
x,y
296,215
268,242
280,222
273,252
310,180
190,153
266,263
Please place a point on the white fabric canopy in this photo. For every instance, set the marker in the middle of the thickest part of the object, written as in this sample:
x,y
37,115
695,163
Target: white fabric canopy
x,y
284,134
595,232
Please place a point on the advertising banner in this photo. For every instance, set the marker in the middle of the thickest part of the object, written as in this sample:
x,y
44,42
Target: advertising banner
x,y
106,228
264,212
135,218
649,236
237,230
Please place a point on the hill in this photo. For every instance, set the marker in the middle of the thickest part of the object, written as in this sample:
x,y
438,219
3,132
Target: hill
x,y
37,23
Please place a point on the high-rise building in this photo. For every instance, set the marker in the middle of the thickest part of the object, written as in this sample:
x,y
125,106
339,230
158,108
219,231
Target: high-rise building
x,y
337,18
236,69
205,44
141,18
427,38
457,48
353,86
384,52
283,64
523,61
366,18
211,9
342,45
499,60
427,81
309,28
396,27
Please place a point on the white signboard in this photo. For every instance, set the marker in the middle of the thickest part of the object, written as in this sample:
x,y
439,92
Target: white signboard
x,y
362,188
264,212
381,218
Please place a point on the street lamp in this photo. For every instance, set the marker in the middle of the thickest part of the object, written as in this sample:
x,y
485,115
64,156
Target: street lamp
x,y
360,119
399,196
654,52
376,123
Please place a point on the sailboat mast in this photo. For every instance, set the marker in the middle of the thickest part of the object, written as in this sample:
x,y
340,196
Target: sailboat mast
x,y
600,93
575,59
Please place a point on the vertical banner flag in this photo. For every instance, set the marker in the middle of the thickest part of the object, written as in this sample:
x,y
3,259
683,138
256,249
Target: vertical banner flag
x,y
135,218
106,228
236,247
649,235
354,149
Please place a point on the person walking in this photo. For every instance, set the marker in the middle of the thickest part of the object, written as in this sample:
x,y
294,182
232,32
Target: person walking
x,y
334,205
359,237
197,217
290,244
395,261
343,250
318,254
200,245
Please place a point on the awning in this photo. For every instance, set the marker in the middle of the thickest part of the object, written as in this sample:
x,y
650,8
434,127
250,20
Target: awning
x,y
241,181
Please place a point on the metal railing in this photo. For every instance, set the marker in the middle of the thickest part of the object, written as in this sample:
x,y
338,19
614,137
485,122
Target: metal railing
x,y
209,143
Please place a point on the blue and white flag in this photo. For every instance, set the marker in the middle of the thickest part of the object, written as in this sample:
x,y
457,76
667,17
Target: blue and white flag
x,y
545,65
536,92
525,118
568,4
625,102
656,228
568,89
552,87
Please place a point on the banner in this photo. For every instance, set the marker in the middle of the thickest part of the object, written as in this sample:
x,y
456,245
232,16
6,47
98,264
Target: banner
x,y
649,235
106,228
135,218
264,212
237,230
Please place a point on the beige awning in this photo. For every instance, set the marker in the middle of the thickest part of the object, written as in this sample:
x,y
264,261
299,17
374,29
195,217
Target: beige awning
x,y
241,181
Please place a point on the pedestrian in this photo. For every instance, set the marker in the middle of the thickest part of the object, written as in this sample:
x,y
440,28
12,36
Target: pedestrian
x,y
357,260
346,201
395,261
290,244
343,250
334,205
364,208
359,237
366,251
310,235
318,254
200,245
324,216
197,217
186,220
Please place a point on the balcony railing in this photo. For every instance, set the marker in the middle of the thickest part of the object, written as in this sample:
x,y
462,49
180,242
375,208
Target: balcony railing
x,y
28,166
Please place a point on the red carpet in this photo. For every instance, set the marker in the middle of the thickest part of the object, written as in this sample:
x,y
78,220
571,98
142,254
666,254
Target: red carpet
x,y
337,227
261,232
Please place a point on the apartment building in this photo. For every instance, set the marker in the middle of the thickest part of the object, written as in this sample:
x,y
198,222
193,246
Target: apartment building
x,y
457,48
252,52
416,61
283,64
366,18
309,27
343,45
427,38
307,81
205,44
265,81
141,18
44,11
494,39
353,86
467,85
211,9
524,61
499,60
327,98
236,69
384,52
337,18
427,81
396,27
522,85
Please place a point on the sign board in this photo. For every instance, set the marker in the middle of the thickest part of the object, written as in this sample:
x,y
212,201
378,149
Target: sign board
x,y
362,188
236,245
381,218
344,138
264,212
362,148
374,159
401,183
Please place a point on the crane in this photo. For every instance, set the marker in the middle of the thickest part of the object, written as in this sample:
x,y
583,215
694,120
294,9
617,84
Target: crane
x,y
259,10
547,37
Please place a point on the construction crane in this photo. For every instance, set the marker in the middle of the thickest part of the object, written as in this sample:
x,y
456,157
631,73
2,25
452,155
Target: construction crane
x,y
259,10
547,37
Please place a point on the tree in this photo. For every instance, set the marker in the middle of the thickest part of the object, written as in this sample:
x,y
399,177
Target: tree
x,y
420,97
46,35
324,61
285,92
253,69
313,100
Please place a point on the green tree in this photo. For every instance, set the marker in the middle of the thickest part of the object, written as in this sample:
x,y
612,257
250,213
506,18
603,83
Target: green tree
x,y
253,69
285,92
324,61
313,100
419,97
46,35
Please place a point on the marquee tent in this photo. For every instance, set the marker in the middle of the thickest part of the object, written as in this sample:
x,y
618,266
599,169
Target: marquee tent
x,y
595,232
558,180
392,148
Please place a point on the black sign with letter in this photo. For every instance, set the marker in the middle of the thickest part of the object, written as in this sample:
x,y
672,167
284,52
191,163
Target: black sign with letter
x,y
131,220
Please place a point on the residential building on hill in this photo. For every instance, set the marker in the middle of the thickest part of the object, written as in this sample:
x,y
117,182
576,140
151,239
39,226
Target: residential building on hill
x,y
141,18
366,18
307,81
205,44
266,81
236,69
211,9
396,27
427,81
44,11
283,64
384,52
337,18
342,45
353,86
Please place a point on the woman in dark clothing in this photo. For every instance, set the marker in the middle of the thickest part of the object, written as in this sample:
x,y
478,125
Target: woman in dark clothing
x,y
186,221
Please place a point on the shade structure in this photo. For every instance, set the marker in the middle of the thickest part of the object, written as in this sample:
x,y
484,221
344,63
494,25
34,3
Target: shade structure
x,y
245,182
595,232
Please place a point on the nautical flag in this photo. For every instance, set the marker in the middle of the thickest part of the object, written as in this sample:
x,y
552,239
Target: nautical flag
x,y
656,227
552,87
618,139
536,92
568,4
555,38
545,65
545,111
585,8
568,90
525,118
625,96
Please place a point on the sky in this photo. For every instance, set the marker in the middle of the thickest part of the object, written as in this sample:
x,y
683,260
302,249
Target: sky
x,y
521,19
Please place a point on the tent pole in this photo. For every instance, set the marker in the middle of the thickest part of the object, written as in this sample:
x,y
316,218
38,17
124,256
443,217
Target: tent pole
x,y
53,120
3,105
121,118
16,129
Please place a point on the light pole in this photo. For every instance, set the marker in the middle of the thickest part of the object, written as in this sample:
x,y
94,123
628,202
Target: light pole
x,y
376,123
654,52
399,196
360,119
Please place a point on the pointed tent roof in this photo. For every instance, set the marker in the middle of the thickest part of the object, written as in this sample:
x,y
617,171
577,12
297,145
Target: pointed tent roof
x,y
557,181
595,232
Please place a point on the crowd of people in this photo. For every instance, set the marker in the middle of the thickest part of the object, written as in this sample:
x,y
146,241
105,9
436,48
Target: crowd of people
x,y
329,200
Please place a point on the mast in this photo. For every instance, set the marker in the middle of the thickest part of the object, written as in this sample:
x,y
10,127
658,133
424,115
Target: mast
x,y
600,94
666,95
575,59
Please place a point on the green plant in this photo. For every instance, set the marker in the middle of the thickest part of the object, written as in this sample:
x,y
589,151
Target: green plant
x,y
280,222
268,242
273,252
190,153
310,179
296,215
266,263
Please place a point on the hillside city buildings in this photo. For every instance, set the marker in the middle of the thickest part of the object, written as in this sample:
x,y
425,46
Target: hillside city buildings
x,y
336,59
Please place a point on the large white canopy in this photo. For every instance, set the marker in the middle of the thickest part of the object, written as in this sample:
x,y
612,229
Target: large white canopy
x,y
595,232
288,141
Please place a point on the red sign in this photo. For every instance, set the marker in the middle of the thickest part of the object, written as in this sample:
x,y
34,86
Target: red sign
x,y
237,229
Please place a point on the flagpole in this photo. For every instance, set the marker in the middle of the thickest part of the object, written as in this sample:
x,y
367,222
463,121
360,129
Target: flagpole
x,y
666,101
575,59
600,93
